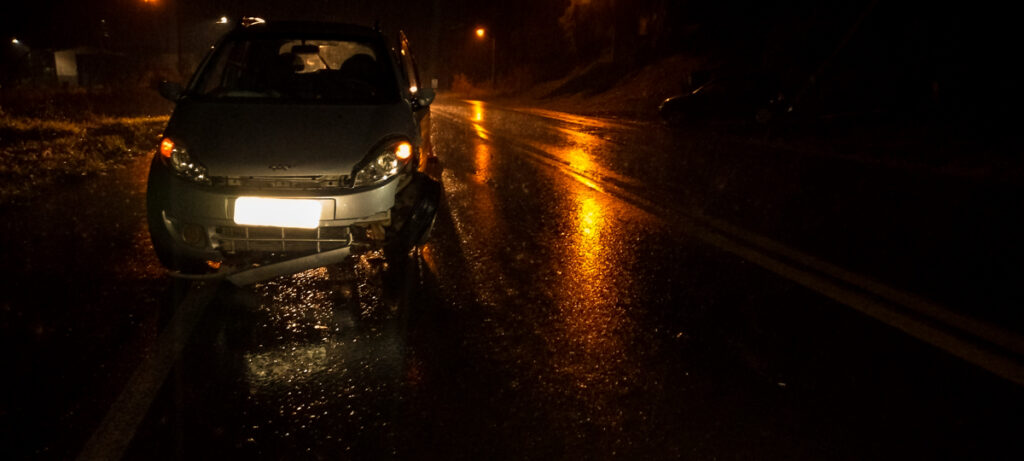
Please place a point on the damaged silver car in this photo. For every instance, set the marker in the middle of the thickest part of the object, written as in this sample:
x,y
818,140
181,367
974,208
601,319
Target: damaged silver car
x,y
294,145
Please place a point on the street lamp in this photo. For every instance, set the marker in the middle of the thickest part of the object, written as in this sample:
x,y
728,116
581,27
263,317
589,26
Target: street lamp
x,y
222,20
15,41
481,33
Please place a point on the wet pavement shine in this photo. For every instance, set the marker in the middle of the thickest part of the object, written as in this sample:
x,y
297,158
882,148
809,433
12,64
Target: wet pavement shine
x,y
557,314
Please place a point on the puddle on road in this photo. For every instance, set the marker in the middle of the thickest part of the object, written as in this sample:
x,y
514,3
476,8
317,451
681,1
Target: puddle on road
x,y
291,365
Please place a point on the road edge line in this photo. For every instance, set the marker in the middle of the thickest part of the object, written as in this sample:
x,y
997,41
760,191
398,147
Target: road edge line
x,y
113,436
999,364
772,255
984,330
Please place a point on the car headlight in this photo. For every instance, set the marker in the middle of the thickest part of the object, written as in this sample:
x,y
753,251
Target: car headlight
x,y
177,155
383,164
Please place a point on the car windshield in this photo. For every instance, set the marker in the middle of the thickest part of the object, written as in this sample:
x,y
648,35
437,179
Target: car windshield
x,y
289,69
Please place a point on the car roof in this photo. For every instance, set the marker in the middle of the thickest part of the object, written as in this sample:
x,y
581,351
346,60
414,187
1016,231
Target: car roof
x,y
305,28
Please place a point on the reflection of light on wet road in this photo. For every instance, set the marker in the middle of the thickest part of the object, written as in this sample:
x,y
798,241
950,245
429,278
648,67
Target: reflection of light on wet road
x,y
478,110
589,220
579,159
310,366
578,149
582,154
554,288
475,206
480,131
595,330
579,163
589,314
482,162
589,310
301,311
292,363
478,118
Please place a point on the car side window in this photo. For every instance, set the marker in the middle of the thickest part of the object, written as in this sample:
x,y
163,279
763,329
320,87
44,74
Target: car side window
x,y
225,68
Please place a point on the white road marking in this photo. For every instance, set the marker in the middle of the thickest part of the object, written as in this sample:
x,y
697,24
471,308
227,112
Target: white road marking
x,y
988,346
115,432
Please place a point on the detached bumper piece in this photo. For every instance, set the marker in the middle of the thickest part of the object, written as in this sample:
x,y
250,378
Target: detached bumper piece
x,y
291,266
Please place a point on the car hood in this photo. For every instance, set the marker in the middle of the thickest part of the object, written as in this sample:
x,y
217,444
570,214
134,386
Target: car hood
x,y
243,139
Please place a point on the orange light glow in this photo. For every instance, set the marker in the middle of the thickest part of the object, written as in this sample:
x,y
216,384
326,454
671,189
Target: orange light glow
x,y
166,147
590,220
481,132
478,118
482,162
478,110
404,151
480,32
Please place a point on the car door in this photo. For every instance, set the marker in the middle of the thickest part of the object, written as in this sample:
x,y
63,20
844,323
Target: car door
x,y
421,108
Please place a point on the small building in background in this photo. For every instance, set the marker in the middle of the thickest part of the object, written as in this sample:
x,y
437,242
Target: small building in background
x,y
89,67
67,67
74,67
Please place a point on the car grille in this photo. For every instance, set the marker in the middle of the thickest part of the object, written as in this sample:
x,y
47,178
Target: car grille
x,y
233,239
281,182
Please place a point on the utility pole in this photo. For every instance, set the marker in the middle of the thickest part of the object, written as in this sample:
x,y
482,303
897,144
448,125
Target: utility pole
x,y
434,66
177,34
493,67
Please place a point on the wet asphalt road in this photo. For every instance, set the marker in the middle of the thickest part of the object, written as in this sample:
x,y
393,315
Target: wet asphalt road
x,y
574,303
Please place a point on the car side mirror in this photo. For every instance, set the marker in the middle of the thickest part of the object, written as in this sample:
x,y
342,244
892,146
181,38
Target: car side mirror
x,y
171,91
424,97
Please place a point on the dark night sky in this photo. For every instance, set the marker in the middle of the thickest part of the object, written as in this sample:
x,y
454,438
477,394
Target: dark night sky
x,y
971,47
134,26
60,23
739,23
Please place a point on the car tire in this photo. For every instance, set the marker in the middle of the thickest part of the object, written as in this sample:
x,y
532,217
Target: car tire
x,y
163,243
426,233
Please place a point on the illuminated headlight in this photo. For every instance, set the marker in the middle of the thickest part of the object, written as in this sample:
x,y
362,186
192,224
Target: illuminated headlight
x,y
383,164
177,155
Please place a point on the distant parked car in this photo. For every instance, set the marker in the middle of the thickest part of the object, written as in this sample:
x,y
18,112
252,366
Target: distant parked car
x,y
294,139
737,97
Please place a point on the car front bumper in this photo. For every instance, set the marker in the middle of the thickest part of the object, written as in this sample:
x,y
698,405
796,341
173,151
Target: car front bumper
x,y
200,219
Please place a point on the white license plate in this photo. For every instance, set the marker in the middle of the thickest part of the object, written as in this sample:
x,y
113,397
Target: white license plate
x,y
259,211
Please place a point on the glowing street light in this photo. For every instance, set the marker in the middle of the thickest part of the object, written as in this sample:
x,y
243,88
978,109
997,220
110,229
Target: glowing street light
x,y
222,20
480,33
15,41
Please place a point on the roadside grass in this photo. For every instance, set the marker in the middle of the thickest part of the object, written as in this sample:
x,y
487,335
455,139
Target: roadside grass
x,y
53,136
81,105
38,153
